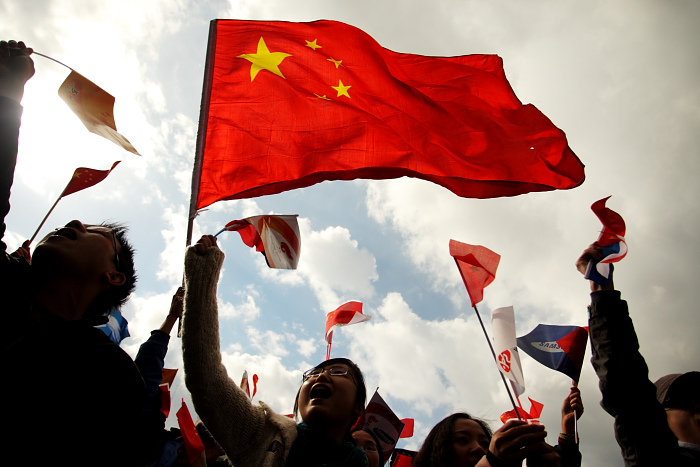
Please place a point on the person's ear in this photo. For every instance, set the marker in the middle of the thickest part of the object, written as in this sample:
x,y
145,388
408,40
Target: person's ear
x,y
115,278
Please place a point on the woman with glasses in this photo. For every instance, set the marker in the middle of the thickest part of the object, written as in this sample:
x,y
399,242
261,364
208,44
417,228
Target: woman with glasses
x,y
329,401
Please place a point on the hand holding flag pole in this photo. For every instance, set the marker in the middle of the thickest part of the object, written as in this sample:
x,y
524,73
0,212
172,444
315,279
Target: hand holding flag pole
x,y
477,265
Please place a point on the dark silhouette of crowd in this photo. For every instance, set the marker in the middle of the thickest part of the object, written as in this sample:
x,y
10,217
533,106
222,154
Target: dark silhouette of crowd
x,y
73,396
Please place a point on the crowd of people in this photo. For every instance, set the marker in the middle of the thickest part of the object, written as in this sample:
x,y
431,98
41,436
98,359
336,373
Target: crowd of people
x,y
103,408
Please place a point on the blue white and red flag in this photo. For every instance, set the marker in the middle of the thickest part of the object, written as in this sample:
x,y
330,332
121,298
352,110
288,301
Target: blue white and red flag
x,y
560,348
612,241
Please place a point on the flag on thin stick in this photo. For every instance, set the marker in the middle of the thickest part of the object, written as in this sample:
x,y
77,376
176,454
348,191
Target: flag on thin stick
x,y
477,265
94,107
560,348
506,348
346,314
612,241
276,237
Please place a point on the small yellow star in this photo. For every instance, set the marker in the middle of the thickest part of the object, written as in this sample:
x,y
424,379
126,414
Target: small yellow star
x,y
77,174
337,63
265,60
322,97
313,44
342,89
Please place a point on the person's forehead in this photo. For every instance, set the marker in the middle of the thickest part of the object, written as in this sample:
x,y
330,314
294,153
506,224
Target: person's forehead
x,y
362,435
467,426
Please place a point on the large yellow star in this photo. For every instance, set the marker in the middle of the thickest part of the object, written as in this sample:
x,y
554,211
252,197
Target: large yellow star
x,y
265,60
313,44
342,89
337,63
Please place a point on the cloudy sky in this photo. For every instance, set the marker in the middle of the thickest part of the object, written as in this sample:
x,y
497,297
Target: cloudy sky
x,y
620,78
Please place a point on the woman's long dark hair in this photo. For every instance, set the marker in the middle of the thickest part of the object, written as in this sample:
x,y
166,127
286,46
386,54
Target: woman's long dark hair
x,y
438,449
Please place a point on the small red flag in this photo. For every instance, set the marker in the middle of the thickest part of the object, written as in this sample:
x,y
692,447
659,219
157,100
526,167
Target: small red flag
x,y
477,265
169,375
613,223
408,427
534,414
193,443
345,314
288,105
165,399
276,237
85,178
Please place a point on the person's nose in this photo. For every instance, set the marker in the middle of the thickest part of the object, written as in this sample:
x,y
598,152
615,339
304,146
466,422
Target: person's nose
x,y
77,225
325,374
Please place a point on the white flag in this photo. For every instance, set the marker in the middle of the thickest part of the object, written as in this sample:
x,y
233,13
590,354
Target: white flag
x,y
506,347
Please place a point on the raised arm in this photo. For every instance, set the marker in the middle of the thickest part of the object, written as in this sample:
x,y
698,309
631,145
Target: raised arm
x,y
244,431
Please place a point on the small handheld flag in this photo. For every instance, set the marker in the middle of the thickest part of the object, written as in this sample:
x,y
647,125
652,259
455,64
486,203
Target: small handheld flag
x,y
534,414
383,422
505,346
612,241
276,237
193,443
345,315
560,348
477,265
82,178
94,107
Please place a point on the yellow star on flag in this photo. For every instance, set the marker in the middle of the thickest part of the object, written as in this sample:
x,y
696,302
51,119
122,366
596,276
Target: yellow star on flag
x,y
265,60
342,89
337,63
313,44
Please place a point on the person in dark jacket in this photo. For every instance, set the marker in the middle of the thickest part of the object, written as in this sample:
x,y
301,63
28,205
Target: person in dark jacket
x,y
650,431
72,394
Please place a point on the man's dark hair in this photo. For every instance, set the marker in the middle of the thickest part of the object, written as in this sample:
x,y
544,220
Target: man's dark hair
x,y
116,296
438,449
360,397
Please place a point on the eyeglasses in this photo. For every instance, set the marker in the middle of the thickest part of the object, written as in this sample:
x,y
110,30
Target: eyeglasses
x,y
106,230
335,370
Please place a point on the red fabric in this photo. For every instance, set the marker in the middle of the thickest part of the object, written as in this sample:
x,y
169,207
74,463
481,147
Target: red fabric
x,y
408,427
535,412
378,114
169,376
85,178
613,223
477,265
165,399
343,315
402,461
193,443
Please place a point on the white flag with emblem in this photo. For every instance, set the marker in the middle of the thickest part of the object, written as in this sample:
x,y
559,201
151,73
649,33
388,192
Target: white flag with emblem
x,y
506,347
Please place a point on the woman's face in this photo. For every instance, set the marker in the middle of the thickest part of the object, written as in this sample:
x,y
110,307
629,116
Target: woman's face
x,y
365,441
327,400
469,442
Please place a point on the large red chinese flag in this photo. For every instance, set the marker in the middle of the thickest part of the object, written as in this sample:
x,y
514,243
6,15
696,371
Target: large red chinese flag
x,y
287,105
477,265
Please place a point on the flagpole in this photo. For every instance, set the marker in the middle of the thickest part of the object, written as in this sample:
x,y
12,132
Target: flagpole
x,y
503,378
575,384
202,129
48,214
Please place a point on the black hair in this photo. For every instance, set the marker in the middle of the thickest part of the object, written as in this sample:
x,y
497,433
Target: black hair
x,y
360,397
437,449
117,296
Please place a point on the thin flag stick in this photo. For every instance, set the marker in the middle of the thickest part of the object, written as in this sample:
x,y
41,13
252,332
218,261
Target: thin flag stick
x,y
53,59
503,378
48,214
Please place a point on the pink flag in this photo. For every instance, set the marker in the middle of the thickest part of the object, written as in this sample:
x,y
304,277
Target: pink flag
x,y
477,265
276,237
